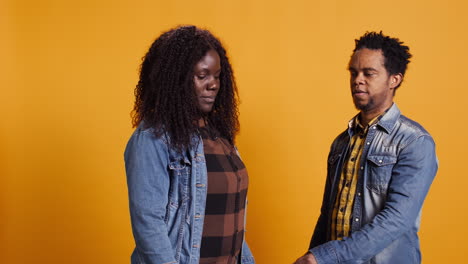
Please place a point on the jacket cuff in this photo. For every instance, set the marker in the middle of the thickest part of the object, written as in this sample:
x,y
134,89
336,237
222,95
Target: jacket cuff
x,y
325,254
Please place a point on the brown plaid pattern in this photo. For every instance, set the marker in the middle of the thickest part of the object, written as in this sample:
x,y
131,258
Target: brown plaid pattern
x,y
223,226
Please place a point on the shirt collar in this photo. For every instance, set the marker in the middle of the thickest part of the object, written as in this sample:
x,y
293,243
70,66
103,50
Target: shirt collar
x,y
382,120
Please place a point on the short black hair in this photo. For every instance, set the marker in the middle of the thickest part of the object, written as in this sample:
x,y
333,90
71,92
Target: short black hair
x,y
397,55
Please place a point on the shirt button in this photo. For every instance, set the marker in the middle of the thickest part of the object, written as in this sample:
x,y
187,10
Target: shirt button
x,y
362,168
380,161
356,219
368,143
359,194
374,127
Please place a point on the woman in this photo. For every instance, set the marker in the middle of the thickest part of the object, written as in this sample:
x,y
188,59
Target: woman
x,y
187,184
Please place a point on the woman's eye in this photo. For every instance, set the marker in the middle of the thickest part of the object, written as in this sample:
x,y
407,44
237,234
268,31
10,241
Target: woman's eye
x,y
201,77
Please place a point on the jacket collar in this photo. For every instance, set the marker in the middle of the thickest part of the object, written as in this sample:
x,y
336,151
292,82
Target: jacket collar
x,y
387,122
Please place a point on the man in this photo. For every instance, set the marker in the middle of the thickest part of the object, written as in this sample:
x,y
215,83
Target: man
x,y
379,169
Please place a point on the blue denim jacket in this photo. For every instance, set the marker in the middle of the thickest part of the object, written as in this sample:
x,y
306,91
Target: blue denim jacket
x,y
167,193
397,168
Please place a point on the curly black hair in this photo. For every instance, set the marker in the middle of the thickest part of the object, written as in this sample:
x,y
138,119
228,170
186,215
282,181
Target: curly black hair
x,y
397,55
165,97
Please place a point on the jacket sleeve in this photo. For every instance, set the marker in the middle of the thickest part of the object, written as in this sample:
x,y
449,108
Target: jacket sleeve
x,y
247,257
412,176
146,163
320,232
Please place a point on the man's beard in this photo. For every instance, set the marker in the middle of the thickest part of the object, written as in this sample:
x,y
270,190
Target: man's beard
x,y
364,107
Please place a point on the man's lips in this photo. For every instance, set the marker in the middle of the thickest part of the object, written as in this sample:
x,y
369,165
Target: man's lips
x,y
359,92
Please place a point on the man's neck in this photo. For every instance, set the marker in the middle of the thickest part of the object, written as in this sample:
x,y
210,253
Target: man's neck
x,y
366,116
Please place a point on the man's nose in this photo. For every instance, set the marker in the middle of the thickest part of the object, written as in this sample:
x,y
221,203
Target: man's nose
x,y
359,79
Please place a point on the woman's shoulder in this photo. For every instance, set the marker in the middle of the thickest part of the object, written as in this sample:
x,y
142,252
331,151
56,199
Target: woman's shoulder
x,y
144,135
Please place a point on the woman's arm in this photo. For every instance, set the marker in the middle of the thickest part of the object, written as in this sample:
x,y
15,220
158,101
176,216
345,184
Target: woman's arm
x,y
146,163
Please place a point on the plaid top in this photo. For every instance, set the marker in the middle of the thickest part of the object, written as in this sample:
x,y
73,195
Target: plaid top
x,y
343,208
223,227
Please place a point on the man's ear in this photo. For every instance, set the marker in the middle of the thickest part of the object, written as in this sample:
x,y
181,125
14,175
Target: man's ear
x,y
395,80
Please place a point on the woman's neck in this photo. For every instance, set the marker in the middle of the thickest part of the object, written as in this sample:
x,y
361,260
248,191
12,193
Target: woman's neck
x,y
203,121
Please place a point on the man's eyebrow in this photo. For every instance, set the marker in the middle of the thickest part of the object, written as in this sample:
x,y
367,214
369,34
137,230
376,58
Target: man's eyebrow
x,y
369,69
364,69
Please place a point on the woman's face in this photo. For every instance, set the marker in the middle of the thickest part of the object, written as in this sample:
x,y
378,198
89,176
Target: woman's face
x,y
206,80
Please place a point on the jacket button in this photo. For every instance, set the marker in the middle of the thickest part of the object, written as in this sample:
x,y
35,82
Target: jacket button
x,y
197,216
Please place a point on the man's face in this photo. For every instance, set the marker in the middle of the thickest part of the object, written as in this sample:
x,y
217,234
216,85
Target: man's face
x,y
371,85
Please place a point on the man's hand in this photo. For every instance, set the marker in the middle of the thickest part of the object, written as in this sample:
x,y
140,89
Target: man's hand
x,y
306,259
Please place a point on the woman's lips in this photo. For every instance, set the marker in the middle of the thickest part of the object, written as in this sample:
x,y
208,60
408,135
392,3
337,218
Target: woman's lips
x,y
208,99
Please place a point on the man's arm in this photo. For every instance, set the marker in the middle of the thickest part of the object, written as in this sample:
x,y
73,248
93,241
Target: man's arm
x,y
319,235
415,170
308,258
320,232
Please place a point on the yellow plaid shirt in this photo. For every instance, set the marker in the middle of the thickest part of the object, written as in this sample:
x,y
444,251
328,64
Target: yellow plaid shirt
x,y
343,207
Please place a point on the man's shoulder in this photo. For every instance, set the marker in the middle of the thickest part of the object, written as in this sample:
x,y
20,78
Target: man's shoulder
x,y
341,140
409,126
406,131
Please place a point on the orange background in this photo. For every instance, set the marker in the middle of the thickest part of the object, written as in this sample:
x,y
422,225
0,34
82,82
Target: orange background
x,y
67,74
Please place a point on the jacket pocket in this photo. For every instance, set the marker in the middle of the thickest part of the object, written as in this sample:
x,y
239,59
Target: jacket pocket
x,y
379,172
178,203
179,173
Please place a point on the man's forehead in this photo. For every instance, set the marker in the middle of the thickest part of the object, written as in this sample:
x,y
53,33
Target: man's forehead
x,y
366,58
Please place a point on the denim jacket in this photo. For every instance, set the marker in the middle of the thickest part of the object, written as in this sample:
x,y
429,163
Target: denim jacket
x,y
398,165
167,194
